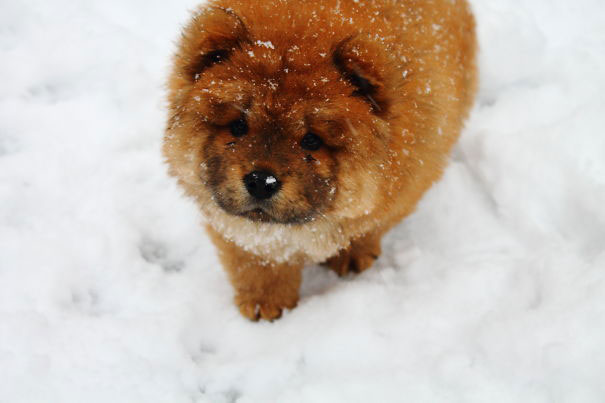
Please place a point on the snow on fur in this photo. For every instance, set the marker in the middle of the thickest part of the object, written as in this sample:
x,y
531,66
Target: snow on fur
x,y
494,290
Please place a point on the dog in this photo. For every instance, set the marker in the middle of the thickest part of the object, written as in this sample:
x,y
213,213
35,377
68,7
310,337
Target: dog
x,y
305,130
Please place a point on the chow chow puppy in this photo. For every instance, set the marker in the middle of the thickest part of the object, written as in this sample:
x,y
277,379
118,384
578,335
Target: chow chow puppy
x,y
306,129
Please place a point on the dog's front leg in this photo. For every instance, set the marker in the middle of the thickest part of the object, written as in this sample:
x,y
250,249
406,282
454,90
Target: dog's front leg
x,y
262,288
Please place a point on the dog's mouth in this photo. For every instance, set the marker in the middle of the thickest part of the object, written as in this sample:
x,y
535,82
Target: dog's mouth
x,y
264,212
252,212
260,215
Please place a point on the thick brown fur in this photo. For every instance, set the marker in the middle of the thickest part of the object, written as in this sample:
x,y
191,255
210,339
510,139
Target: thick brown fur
x,y
385,84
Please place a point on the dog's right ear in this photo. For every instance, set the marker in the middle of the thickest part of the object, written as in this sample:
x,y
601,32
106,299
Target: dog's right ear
x,y
362,63
222,32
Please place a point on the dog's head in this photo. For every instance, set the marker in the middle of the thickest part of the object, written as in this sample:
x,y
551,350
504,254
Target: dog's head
x,y
275,123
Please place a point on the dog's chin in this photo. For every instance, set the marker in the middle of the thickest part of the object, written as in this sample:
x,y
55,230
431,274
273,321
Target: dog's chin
x,y
265,213
264,216
261,215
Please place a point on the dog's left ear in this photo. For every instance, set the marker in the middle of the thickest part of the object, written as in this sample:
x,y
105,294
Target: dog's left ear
x,y
357,60
222,30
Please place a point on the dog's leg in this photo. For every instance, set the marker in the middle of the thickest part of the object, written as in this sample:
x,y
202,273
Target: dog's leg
x,y
262,288
359,256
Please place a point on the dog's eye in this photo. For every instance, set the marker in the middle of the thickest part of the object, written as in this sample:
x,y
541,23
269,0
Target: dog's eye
x,y
238,127
311,142
216,56
364,87
212,58
206,61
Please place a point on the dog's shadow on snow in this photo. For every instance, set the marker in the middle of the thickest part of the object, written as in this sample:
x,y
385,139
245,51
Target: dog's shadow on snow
x,y
396,246
319,279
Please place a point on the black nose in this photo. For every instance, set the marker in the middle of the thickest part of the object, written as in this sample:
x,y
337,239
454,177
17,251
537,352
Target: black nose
x,y
261,184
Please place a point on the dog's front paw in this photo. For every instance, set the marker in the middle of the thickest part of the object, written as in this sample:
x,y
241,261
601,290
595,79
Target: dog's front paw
x,y
351,261
264,307
359,256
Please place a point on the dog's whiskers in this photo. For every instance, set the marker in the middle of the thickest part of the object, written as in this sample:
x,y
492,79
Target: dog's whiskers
x,y
351,128
242,110
373,102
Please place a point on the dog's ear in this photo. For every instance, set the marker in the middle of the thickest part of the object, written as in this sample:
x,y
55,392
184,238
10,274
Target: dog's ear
x,y
223,32
358,60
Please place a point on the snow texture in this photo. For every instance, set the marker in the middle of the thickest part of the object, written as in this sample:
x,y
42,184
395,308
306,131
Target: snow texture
x,y
493,291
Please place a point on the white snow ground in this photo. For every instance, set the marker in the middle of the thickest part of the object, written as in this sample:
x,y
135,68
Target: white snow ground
x,y
494,291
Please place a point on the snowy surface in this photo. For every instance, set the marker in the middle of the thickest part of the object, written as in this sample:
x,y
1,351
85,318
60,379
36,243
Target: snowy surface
x,y
493,291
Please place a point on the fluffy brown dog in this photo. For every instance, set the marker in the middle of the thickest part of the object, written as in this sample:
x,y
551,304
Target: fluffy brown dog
x,y
306,129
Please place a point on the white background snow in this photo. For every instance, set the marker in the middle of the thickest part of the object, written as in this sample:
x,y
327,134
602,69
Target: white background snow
x,y
493,291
